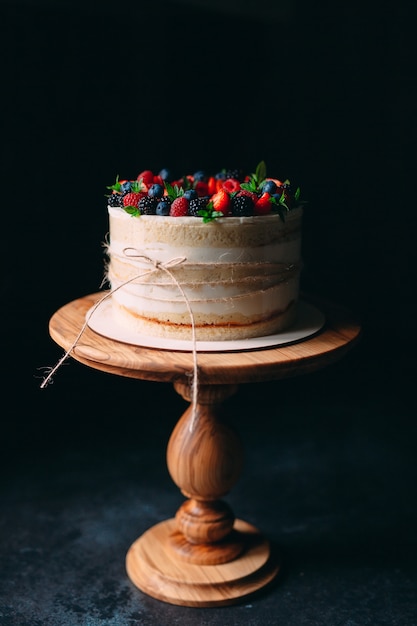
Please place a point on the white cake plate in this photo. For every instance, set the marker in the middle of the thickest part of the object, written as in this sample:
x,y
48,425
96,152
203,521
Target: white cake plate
x,y
309,321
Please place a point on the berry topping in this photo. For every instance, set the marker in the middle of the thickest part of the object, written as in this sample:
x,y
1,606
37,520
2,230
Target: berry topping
x,y
231,185
156,191
147,205
263,205
179,207
146,177
197,205
126,186
221,201
201,188
227,193
190,194
213,185
165,174
242,205
199,176
269,186
163,207
115,199
132,199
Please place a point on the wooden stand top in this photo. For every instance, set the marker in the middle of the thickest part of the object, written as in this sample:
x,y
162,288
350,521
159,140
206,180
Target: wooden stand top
x,y
339,334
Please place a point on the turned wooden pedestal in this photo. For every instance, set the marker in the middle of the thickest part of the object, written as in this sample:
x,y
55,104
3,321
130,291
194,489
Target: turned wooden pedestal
x,y
204,556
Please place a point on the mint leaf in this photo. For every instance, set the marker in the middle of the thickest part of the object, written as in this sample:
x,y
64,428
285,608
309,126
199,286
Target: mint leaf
x,y
116,186
132,210
173,191
260,172
209,214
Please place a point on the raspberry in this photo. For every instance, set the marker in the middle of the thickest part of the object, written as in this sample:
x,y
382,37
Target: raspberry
x,y
231,185
179,207
131,199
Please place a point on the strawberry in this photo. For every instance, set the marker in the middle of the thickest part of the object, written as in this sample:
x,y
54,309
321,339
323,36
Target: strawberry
x,y
179,207
221,202
201,188
212,185
132,199
146,177
263,204
158,180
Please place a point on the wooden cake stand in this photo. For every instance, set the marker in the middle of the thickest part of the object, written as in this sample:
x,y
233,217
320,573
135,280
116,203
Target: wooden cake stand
x,y
203,556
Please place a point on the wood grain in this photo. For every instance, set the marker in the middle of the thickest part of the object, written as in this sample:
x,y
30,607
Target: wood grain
x,y
339,334
202,557
155,569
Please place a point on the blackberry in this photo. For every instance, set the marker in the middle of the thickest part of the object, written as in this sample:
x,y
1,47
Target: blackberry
x,y
115,199
196,205
235,173
147,205
242,206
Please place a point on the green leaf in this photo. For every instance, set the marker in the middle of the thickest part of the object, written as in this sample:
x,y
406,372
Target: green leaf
x,y
209,214
250,186
132,210
137,186
186,184
282,201
116,186
260,172
173,191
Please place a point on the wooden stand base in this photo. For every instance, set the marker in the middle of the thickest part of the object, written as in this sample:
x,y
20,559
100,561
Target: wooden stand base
x,y
154,567
204,556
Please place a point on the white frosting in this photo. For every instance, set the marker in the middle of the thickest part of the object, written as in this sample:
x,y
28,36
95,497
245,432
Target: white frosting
x,y
238,271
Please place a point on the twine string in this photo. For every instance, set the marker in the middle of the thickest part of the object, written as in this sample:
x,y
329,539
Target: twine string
x,y
157,266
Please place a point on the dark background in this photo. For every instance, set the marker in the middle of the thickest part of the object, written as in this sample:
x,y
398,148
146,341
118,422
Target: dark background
x,y
326,95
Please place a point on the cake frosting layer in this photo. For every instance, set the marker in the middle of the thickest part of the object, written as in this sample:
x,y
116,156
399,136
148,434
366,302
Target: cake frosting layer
x,y
236,277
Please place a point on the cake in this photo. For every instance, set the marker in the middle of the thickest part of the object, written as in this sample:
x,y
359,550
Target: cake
x,y
218,255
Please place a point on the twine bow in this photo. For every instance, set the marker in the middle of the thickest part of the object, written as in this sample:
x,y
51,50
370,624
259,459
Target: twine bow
x,y
156,266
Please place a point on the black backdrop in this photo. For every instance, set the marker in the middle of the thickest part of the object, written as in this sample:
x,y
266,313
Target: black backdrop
x,y
325,96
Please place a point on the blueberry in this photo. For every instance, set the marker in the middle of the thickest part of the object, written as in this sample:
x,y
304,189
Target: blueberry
x,y
269,187
199,176
165,174
220,176
126,187
277,195
163,207
156,191
190,194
